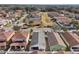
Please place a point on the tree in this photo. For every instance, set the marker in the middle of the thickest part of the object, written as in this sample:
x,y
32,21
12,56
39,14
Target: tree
x,y
77,26
17,8
33,8
16,28
31,30
54,20
57,48
30,22
74,22
65,29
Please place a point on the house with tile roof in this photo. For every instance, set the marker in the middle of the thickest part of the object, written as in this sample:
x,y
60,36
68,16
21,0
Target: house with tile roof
x,y
19,41
55,42
4,39
72,41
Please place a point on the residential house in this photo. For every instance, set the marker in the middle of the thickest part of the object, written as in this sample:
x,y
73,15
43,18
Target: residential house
x,y
55,42
5,39
19,41
38,41
72,41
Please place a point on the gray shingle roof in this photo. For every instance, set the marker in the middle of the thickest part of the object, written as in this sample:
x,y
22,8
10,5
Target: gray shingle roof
x,y
38,39
34,38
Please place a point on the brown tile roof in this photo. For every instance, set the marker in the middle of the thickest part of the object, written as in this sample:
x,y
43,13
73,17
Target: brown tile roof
x,y
3,44
19,35
2,36
25,34
70,39
76,32
7,34
52,39
19,44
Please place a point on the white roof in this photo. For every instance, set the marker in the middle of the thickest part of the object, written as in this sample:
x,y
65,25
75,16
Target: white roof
x,y
41,40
